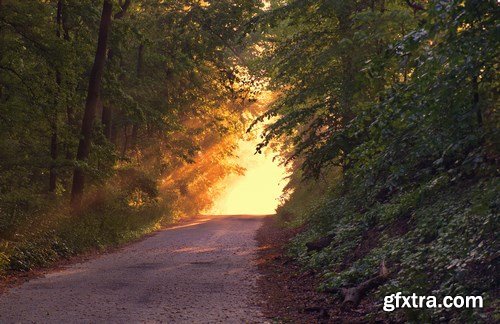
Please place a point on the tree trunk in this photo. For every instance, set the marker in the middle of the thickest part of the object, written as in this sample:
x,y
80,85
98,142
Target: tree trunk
x,y
475,101
107,109
125,142
64,22
71,123
140,59
114,134
53,138
135,126
135,131
62,25
2,41
53,157
91,103
107,120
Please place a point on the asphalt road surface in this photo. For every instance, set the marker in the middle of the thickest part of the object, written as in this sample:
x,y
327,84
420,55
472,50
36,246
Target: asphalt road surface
x,y
202,272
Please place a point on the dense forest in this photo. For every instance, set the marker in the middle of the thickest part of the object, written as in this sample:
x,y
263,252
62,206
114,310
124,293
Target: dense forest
x,y
120,116
105,106
388,117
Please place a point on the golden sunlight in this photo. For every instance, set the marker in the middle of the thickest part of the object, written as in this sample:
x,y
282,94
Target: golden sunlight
x,y
257,190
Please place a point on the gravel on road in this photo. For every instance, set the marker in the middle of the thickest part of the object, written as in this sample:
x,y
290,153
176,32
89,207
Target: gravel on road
x,y
201,272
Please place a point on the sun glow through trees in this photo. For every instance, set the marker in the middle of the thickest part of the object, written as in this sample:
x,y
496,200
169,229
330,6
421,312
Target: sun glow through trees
x,y
256,191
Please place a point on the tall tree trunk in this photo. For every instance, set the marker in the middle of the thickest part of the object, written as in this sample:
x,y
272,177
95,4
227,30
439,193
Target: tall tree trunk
x,y
135,126
140,60
53,157
91,103
125,142
71,121
107,109
53,138
107,120
135,131
63,27
2,41
347,87
475,101
114,134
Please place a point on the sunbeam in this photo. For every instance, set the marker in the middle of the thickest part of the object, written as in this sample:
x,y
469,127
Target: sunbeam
x,y
257,190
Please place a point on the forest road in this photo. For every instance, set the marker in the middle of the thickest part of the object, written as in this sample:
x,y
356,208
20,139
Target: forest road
x,y
201,272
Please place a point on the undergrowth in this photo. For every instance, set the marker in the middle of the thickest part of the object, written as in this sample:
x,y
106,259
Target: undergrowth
x,y
438,238
37,229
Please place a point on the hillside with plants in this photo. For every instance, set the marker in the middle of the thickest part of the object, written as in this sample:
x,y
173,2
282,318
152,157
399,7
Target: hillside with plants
x,y
388,119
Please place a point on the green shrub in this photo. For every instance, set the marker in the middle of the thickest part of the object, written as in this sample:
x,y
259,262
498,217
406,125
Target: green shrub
x,y
119,211
437,239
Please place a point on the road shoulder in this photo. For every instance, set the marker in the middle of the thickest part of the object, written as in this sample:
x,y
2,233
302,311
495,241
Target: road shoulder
x,y
289,294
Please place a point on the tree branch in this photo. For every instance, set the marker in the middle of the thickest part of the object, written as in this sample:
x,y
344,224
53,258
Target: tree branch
x,y
415,5
26,85
124,7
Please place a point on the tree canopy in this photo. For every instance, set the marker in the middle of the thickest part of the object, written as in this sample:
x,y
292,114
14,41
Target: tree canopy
x,y
169,84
